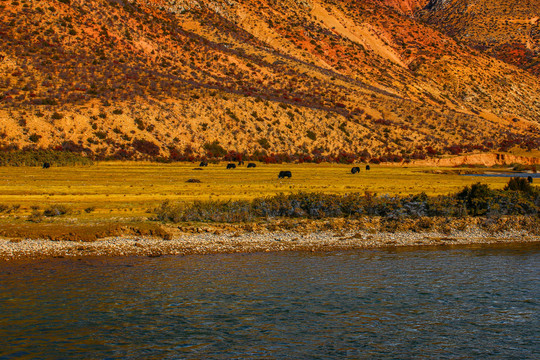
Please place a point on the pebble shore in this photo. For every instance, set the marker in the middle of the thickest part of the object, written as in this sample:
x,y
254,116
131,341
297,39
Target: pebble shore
x,y
234,242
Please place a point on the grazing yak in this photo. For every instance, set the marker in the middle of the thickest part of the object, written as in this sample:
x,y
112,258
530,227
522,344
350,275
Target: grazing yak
x,y
251,165
368,167
355,170
46,165
203,163
231,166
530,179
284,174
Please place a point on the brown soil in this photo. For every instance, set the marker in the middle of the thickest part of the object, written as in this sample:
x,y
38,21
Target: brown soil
x,y
85,232
93,232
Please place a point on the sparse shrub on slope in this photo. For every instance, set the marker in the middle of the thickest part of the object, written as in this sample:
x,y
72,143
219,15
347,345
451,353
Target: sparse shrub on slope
x,y
60,59
214,149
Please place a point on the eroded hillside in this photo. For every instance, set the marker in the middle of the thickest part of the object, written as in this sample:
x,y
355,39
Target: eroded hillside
x,y
311,78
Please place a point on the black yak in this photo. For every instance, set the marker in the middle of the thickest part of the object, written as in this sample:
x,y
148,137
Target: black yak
x,y
284,174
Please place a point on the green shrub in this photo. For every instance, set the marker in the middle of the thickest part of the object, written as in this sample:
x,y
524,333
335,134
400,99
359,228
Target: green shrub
x,y
214,149
56,210
56,116
146,147
477,198
34,138
264,143
519,184
101,135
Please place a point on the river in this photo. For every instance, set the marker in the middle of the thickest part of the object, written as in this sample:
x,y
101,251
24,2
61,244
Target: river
x,y
468,303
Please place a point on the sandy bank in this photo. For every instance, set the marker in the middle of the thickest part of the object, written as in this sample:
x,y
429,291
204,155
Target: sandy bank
x,y
207,243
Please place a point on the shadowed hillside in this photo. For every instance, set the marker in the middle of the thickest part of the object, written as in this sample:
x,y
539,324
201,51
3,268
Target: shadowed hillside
x,y
320,80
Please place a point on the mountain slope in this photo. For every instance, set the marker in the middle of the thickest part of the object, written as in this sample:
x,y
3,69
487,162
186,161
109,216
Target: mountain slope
x,y
508,30
315,78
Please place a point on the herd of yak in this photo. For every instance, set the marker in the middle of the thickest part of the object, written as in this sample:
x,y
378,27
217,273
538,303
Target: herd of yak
x,y
282,174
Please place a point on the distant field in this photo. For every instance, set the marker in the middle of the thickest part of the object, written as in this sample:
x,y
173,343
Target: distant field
x,y
115,190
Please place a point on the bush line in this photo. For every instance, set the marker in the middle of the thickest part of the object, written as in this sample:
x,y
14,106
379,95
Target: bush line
x,y
517,198
40,157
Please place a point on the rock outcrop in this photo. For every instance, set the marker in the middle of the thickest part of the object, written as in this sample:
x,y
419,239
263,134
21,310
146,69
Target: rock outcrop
x,y
480,159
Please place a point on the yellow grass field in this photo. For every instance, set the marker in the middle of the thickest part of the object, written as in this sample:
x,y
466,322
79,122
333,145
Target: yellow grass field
x,y
119,191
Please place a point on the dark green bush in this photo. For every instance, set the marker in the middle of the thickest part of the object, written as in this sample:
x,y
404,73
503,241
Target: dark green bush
x,y
265,144
214,149
310,134
56,210
519,184
57,116
477,198
34,138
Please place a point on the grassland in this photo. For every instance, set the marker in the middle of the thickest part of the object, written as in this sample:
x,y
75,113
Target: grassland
x,y
122,192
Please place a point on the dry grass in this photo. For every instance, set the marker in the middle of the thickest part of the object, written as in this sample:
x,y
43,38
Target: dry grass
x,y
118,191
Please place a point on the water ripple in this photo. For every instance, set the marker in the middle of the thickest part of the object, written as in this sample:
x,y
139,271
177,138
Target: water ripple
x,y
370,304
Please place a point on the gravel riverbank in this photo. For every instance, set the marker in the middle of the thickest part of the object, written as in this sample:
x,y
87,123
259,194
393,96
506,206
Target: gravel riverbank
x,y
234,242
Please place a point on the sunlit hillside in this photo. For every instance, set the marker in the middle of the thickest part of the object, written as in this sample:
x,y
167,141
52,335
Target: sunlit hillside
x,y
507,30
310,80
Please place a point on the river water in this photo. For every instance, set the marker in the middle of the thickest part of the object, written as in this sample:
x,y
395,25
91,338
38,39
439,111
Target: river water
x,y
416,303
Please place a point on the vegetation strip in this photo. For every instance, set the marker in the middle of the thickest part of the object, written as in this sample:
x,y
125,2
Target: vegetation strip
x,y
303,221
518,197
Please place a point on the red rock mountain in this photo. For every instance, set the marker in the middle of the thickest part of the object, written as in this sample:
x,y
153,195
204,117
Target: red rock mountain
x,y
317,79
